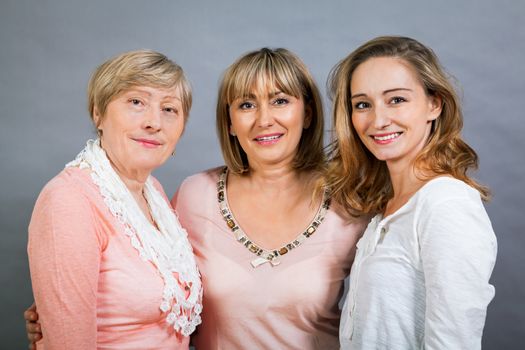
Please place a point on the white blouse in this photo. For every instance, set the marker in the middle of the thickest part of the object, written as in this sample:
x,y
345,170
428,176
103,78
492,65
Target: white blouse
x,y
420,279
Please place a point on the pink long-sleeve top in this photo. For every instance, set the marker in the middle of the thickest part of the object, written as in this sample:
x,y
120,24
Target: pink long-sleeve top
x,y
92,289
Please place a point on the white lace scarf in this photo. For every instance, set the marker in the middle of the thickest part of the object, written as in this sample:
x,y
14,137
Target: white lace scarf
x,y
169,250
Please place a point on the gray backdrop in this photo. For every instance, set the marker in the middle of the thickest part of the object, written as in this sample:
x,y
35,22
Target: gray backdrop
x,y
49,48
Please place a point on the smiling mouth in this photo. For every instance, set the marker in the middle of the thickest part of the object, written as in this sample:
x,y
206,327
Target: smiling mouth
x,y
148,143
268,138
388,137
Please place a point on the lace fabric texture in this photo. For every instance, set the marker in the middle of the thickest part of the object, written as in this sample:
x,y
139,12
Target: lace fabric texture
x,y
167,248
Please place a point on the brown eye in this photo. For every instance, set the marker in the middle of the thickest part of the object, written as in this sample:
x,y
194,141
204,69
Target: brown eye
x,y
397,99
246,105
135,101
280,101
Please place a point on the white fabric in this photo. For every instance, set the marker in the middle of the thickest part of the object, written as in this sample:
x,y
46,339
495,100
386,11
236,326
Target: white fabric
x,y
168,250
420,279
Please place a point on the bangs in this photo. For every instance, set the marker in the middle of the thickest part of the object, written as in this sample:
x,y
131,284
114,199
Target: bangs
x,y
263,74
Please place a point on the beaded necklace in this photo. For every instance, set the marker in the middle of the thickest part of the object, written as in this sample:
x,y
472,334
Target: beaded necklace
x,y
264,255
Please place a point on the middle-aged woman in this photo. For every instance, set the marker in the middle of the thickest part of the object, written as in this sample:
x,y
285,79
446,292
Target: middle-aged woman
x,y
110,265
420,279
273,256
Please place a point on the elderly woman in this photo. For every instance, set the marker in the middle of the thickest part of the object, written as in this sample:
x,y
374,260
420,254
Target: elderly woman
x,y
111,266
420,279
272,251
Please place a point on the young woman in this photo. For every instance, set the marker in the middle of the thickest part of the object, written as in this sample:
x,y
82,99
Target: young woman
x,y
421,274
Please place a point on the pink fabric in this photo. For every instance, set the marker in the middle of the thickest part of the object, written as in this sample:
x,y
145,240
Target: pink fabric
x,y
92,289
290,306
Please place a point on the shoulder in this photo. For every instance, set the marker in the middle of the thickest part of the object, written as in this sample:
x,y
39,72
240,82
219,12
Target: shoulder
x,y
450,207
67,207
197,187
447,189
201,182
204,178
340,218
69,187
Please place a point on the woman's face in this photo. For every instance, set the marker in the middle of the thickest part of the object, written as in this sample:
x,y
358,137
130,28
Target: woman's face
x,y
141,128
269,125
391,112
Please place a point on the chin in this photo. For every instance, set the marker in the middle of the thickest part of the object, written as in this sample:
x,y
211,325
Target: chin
x,y
149,164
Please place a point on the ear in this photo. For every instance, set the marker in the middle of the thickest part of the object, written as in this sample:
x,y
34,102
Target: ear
x,y
96,117
307,116
232,132
436,106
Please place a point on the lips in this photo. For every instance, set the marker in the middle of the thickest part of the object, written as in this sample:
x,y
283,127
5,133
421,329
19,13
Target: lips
x,y
268,138
149,143
386,138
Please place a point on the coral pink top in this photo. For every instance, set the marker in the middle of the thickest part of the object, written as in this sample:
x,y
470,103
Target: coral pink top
x,y
92,289
290,306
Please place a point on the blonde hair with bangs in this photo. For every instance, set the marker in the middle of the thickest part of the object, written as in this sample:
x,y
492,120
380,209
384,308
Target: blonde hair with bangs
x,y
263,70
359,181
131,69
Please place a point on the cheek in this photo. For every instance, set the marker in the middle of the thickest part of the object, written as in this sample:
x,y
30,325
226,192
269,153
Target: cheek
x,y
358,122
174,132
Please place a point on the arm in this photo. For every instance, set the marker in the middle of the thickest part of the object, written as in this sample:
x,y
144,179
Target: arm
x,y
458,251
64,257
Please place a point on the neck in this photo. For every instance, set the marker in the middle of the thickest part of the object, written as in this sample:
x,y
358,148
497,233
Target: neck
x,y
133,179
276,177
404,178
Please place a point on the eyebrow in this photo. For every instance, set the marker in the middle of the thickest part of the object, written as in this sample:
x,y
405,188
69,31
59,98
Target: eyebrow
x,y
251,95
139,90
384,92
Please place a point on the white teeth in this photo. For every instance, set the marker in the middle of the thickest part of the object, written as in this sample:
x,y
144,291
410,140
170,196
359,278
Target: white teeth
x,y
268,138
387,137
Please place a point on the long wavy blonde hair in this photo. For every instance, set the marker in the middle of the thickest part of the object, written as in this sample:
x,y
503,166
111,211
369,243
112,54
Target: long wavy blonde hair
x,y
359,181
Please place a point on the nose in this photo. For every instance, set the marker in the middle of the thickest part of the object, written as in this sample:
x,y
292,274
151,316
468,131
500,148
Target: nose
x,y
265,116
381,117
152,119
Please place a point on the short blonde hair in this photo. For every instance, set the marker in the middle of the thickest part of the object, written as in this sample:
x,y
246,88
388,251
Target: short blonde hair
x,y
361,182
135,68
266,69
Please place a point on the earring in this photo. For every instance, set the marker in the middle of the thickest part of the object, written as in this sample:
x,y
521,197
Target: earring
x,y
173,153
99,132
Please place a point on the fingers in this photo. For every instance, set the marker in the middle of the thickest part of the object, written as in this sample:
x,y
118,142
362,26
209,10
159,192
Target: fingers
x,y
34,333
33,327
30,314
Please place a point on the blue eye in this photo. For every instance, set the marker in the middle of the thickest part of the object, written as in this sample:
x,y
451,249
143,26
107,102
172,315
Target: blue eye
x,y
361,105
